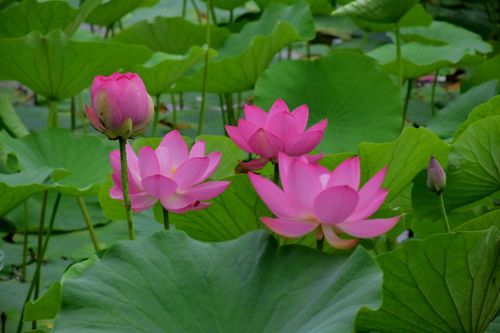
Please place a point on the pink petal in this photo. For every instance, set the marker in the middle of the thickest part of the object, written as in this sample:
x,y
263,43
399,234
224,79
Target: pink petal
x,y
247,129
235,135
273,197
255,164
114,160
133,185
304,143
208,190
142,201
213,162
371,197
190,172
148,162
195,206
314,159
165,160
368,228
92,117
336,241
283,126
278,107
335,204
347,173
177,201
177,147
265,144
301,115
255,115
197,150
289,228
321,126
159,186
301,183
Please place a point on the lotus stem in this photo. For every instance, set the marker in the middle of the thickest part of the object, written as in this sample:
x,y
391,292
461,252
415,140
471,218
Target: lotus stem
x,y
308,49
289,52
25,242
205,74
443,212
240,105
181,101
231,16
126,196
212,12
156,116
41,252
166,223
409,89
41,227
230,109
184,7
83,119
72,110
223,112
53,120
398,55
433,93
198,14
174,108
88,221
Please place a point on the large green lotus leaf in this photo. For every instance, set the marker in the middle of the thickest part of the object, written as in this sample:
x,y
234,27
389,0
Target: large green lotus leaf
x,y
417,59
17,187
173,35
483,222
163,70
446,121
488,70
46,306
57,68
245,55
232,214
405,158
81,161
323,7
494,326
488,109
171,283
328,88
444,33
446,283
112,11
9,120
31,15
227,4
473,170
377,11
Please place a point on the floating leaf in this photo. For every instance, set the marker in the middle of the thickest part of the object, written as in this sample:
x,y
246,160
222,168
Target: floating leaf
x,y
488,109
327,87
446,121
444,33
245,55
377,11
173,35
112,11
417,59
249,284
45,307
76,169
483,222
57,68
445,283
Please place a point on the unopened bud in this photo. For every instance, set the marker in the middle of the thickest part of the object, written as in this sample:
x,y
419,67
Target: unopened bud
x,y
436,177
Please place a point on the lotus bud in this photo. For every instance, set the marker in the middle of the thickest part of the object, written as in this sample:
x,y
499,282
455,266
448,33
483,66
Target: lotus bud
x,y
436,177
121,106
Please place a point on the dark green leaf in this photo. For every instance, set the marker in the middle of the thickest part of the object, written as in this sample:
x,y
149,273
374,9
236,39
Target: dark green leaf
x,y
378,11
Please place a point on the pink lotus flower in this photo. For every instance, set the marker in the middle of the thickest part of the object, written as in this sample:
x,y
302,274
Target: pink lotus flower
x,y
121,105
171,173
267,134
330,203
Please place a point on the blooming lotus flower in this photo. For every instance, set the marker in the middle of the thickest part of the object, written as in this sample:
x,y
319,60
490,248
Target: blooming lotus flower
x,y
121,105
279,130
330,203
170,173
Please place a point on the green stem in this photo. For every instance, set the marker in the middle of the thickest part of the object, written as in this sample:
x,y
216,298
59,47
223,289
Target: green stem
x,y
25,242
230,109
205,74
276,175
166,224
53,120
223,112
212,12
41,227
433,93
240,105
443,211
398,55
308,49
156,116
72,110
289,52
320,244
181,101
407,101
126,196
36,276
88,221
231,16
184,7
83,119
198,14
174,108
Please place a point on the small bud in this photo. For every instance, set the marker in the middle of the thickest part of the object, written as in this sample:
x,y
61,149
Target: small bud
x,y
436,177
121,106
